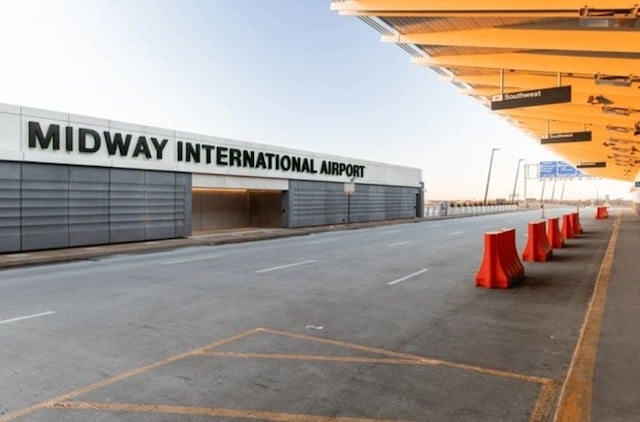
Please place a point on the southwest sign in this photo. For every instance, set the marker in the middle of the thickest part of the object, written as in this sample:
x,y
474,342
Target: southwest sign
x,y
592,164
536,97
559,138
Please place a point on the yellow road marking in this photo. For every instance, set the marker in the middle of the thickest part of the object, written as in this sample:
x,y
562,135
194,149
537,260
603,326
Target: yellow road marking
x,y
120,377
416,358
544,404
211,412
576,395
320,358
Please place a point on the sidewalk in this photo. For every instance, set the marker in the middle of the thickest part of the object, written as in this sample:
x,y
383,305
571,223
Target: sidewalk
x,y
245,234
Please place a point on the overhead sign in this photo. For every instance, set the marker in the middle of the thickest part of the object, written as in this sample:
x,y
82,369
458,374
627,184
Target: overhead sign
x,y
559,138
592,164
558,170
536,97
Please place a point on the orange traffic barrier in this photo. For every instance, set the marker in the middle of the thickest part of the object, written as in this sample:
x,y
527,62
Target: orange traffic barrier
x,y
501,266
575,221
538,247
553,233
567,227
601,213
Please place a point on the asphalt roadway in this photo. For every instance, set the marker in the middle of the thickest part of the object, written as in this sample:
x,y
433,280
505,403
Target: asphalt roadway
x,y
373,324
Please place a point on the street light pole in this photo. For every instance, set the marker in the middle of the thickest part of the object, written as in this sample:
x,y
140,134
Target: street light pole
x,y
515,184
486,189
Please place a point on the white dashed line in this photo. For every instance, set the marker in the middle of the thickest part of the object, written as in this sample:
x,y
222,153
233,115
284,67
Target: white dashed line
x,y
457,232
191,259
280,267
397,244
316,242
22,318
391,283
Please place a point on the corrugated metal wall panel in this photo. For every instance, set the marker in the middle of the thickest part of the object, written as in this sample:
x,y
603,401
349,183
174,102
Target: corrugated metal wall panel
x,y
10,207
126,205
45,206
88,206
44,203
159,205
321,203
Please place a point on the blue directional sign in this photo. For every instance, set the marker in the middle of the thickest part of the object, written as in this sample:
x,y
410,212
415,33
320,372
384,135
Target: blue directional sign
x,y
558,170
548,169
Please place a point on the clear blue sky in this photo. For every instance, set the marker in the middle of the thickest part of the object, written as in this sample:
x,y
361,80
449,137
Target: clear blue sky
x,y
287,72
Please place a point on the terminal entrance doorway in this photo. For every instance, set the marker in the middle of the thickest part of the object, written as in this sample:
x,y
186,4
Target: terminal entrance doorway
x,y
219,209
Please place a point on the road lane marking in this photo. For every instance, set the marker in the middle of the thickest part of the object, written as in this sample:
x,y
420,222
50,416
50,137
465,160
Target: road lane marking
x,y
280,267
407,277
435,225
456,232
419,360
315,242
397,244
51,403
22,318
207,411
191,259
576,395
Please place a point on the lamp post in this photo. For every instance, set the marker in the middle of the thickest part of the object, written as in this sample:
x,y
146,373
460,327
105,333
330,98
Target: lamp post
x,y
515,183
486,189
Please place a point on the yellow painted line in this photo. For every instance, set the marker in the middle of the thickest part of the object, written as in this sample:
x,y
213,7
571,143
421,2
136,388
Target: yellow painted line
x,y
545,402
211,412
576,395
422,360
133,372
315,358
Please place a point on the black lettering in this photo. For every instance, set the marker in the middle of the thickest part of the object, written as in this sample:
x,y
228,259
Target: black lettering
x,y
285,162
192,152
52,137
361,171
270,156
221,156
350,169
342,168
295,164
234,157
117,143
82,140
207,149
334,168
260,162
248,159
142,147
179,151
324,169
305,166
68,138
159,146
313,167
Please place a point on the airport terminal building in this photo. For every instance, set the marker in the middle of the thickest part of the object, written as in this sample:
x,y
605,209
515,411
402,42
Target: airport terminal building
x,y
69,180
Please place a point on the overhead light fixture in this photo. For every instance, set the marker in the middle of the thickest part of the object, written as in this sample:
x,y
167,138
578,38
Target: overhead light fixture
x,y
621,129
608,18
620,111
613,80
598,99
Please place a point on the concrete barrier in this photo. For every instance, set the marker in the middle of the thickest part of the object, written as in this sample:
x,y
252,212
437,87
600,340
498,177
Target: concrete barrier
x,y
556,240
501,267
538,248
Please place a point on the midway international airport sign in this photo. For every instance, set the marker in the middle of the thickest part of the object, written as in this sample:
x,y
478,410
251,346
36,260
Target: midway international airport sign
x,y
535,97
558,170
